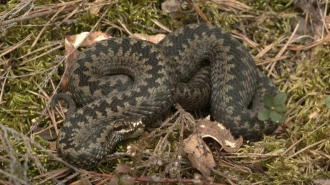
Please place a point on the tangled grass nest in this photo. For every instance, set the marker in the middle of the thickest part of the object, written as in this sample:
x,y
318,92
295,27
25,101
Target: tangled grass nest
x,y
289,41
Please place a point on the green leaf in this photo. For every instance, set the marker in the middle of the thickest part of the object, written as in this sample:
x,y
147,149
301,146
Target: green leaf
x,y
283,119
264,115
280,98
280,107
275,116
327,102
268,100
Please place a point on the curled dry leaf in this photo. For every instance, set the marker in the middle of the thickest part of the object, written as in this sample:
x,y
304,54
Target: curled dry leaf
x,y
151,38
219,133
72,42
199,154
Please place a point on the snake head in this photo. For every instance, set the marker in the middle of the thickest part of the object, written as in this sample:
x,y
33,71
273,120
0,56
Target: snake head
x,y
128,128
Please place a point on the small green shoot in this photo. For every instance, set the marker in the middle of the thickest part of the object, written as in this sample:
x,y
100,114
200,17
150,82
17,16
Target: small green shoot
x,y
276,108
327,101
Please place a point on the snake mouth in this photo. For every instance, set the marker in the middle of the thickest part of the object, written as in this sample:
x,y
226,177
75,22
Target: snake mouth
x,y
129,128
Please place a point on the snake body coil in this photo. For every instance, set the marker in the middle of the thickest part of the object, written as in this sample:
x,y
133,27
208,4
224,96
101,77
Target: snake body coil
x,y
124,84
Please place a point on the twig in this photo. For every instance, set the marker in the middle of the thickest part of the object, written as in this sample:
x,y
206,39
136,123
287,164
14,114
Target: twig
x,y
159,24
20,6
269,47
294,144
44,28
51,45
3,86
21,165
60,45
152,179
32,16
10,49
232,3
199,11
307,147
283,49
26,75
271,60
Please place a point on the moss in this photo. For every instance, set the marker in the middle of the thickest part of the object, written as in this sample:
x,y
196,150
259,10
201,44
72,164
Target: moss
x,y
269,5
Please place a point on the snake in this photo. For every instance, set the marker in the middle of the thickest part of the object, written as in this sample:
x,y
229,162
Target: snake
x,y
123,85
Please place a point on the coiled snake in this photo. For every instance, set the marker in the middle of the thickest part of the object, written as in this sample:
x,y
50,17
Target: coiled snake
x,y
124,84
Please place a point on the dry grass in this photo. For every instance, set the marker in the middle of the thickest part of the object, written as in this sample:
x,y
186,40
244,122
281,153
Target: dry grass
x,y
289,41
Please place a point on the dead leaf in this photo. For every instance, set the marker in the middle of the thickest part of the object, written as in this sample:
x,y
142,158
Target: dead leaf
x,y
326,40
122,168
327,21
126,180
46,134
314,114
72,42
219,133
97,5
52,146
151,38
199,154
322,181
172,7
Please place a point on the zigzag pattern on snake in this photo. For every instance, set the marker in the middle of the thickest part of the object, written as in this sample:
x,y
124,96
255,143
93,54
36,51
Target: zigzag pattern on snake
x,y
124,84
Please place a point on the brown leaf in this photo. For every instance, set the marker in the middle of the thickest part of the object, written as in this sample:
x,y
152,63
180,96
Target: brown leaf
x,y
122,168
219,133
84,181
46,134
126,180
172,7
199,154
322,181
327,21
326,40
151,38
52,146
97,5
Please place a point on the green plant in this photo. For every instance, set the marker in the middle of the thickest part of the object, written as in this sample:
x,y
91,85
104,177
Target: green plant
x,y
327,101
276,108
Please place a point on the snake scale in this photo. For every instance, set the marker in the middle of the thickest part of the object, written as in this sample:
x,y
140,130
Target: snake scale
x,y
124,84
